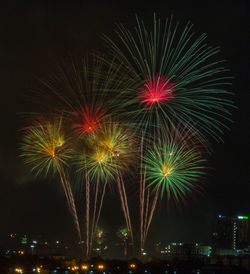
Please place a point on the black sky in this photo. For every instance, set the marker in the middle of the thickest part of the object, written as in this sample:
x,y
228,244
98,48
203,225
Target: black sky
x,y
36,33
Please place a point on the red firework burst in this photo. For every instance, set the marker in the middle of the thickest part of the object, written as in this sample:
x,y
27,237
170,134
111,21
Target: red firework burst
x,y
156,91
88,119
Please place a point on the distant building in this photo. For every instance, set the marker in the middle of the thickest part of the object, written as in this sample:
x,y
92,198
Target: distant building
x,y
185,250
231,232
223,232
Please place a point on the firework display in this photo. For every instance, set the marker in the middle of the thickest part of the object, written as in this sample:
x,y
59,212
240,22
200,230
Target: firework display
x,y
149,111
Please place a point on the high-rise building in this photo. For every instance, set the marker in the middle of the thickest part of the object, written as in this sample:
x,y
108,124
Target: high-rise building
x,y
231,232
185,250
223,232
240,232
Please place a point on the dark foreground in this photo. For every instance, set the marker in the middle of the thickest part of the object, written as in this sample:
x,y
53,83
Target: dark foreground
x,y
60,264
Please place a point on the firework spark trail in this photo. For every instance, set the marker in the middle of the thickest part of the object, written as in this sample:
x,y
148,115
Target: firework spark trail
x,y
94,214
73,208
64,186
101,202
127,208
71,201
97,209
87,215
69,197
122,201
142,192
152,212
142,201
146,216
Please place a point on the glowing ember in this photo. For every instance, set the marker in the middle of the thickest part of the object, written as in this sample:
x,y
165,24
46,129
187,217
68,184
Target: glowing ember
x,y
156,91
166,171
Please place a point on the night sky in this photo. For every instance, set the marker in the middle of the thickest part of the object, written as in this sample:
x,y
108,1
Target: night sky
x,y
36,34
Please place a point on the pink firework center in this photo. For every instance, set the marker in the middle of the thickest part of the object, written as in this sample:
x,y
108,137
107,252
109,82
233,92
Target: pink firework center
x,y
156,91
88,119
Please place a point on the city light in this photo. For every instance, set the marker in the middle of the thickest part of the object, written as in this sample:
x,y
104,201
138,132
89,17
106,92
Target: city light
x,y
100,266
85,267
132,266
243,217
24,240
19,270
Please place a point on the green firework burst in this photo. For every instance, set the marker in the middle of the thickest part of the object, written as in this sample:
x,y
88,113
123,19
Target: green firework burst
x,y
173,76
123,233
176,165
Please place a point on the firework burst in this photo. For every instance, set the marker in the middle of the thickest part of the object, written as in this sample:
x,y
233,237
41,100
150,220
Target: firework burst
x,y
108,151
172,164
87,119
175,164
173,76
156,91
80,88
105,155
46,149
